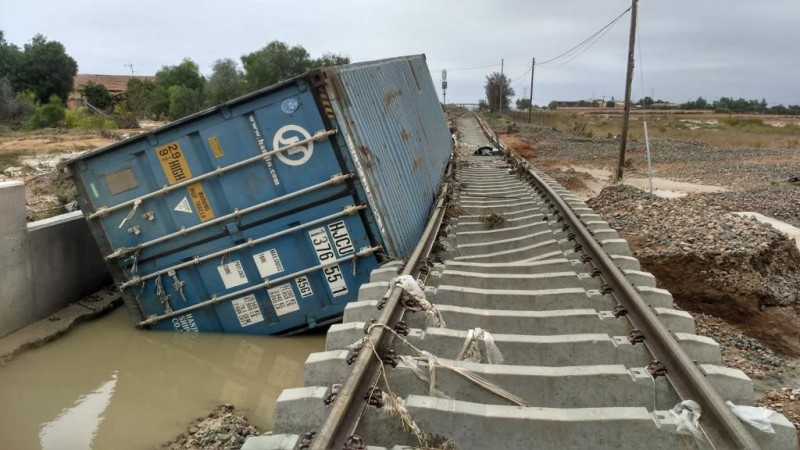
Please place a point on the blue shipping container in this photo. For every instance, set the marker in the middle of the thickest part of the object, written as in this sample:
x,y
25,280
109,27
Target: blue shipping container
x,y
265,214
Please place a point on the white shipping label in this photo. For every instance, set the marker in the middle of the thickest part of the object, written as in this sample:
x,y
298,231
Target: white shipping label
x,y
268,263
333,274
283,299
232,274
247,310
304,286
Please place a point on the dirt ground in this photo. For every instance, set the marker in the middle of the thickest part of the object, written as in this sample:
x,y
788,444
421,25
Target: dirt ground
x,y
32,157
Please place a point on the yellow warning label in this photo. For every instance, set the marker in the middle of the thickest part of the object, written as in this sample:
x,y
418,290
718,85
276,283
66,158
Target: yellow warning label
x,y
173,162
215,147
201,204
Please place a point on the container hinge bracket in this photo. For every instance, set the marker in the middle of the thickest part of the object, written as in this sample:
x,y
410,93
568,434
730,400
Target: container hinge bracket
x,y
177,284
162,296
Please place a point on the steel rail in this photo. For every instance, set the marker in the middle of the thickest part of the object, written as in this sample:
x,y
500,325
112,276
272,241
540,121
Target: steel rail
x,y
722,428
346,411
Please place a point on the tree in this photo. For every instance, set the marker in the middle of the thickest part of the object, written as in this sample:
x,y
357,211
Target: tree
x,y
46,69
647,102
183,101
186,74
141,97
274,63
523,103
225,83
9,59
700,103
498,91
330,59
97,95
174,103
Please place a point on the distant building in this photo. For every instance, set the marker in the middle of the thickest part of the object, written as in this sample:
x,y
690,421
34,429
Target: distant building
x,y
115,84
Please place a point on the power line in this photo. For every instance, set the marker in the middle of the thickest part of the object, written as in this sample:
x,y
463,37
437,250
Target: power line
x,y
590,38
581,51
473,68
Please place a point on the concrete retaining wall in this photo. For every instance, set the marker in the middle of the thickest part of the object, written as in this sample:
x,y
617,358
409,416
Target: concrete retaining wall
x,y
44,265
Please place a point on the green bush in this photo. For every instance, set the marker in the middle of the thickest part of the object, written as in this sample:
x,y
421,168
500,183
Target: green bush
x,y
81,119
49,115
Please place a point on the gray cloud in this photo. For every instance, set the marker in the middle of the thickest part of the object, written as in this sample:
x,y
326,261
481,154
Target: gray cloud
x,y
689,48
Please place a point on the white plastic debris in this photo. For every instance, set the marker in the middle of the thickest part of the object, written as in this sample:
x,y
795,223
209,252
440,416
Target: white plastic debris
x,y
687,416
418,302
471,350
756,416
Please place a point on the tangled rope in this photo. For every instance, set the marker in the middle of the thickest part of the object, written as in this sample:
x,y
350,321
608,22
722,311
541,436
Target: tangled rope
x,y
415,300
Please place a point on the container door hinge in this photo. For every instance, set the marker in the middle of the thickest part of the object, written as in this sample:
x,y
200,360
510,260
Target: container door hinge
x,y
177,284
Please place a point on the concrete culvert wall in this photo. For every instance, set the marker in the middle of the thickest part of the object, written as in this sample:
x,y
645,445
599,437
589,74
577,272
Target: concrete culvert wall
x,y
45,265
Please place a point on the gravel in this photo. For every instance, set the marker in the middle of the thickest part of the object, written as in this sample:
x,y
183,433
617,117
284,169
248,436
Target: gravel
x,y
221,429
696,248
759,177
738,350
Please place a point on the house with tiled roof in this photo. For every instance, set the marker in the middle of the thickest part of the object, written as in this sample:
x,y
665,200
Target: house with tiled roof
x,y
115,84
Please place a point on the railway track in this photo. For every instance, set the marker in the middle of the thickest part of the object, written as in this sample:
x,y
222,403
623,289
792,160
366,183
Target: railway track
x,y
530,326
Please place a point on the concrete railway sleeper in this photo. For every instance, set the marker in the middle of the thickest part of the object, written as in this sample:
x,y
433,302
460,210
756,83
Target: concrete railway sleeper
x,y
551,337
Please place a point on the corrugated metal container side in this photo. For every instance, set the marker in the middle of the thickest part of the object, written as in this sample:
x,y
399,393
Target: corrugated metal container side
x,y
265,214
398,137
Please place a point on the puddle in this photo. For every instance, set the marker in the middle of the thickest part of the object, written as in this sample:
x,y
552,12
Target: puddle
x,y
109,385
662,187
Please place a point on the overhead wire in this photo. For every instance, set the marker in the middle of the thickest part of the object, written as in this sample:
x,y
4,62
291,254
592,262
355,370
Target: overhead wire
x,y
581,51
597,34
475,67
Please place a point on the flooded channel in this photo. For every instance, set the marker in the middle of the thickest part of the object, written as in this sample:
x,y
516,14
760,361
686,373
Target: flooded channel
x,y
108,385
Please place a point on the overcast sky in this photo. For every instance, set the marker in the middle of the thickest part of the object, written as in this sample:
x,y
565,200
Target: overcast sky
x,y
689,48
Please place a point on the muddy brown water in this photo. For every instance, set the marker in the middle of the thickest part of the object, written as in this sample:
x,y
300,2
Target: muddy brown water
x,y
107,385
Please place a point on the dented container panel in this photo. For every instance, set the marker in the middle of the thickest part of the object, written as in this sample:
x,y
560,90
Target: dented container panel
x,y
398,138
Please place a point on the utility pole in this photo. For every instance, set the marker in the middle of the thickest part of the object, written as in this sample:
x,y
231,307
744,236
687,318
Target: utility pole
x,y
502,81
530,105
628,82
444,88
